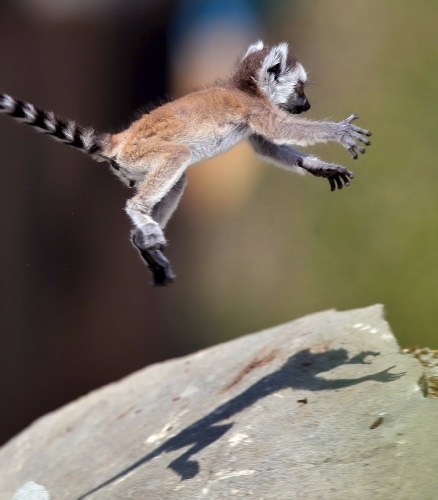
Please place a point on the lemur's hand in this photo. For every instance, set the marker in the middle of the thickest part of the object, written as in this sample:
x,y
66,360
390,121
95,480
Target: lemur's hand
x,y
349,135
337,175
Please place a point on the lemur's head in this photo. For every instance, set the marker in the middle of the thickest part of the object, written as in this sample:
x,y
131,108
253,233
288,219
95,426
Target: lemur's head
x,y
277,74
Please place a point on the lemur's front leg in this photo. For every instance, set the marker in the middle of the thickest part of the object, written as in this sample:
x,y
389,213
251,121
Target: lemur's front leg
x,y
282,128
150,209
289,158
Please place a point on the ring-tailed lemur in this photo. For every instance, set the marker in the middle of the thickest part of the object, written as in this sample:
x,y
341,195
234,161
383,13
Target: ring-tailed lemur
x,y
256,103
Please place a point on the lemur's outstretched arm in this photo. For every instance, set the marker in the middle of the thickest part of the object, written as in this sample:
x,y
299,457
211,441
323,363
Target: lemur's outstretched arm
x,y
281,128
290,159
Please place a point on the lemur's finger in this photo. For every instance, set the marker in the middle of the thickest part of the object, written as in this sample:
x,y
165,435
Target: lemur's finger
x,y
352,118
339,182
344,172
352,150
346,179
360,137
332,184
361,149
362,131
349,173
363,140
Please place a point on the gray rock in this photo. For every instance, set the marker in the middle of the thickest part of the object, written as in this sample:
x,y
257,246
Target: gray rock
x,y
324,407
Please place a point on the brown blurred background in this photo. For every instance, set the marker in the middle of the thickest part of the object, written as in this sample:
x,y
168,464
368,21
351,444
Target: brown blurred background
x,y
252,245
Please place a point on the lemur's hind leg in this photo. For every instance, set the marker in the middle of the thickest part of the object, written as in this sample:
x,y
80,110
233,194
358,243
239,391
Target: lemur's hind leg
x,y
150,209
161,213
163,210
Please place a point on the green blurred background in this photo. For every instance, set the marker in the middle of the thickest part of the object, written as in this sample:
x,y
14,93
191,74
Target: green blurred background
x,y
252,245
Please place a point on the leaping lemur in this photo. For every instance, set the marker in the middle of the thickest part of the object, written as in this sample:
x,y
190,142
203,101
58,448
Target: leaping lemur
x,y
257,102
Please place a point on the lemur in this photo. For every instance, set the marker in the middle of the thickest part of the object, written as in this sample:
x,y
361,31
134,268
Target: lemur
x,y
152,155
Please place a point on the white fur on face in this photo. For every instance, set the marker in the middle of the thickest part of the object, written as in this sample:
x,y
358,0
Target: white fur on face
x,y
280,89
300,73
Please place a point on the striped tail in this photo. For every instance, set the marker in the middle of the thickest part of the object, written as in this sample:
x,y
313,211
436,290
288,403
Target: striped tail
x,y
45,121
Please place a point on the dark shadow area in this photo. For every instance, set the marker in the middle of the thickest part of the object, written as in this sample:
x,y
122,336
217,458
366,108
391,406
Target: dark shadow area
x,y
299,372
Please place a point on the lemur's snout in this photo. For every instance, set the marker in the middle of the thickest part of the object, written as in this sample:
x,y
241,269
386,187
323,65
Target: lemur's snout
x,y
300,108
304,105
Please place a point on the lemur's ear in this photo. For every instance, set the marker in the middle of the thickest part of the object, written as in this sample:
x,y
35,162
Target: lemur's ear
x,y
255,47
275,62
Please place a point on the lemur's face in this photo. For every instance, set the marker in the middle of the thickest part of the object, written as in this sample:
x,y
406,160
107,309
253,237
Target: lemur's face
x,y
279,76
297,102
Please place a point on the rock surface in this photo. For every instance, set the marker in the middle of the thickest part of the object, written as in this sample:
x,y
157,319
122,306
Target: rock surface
x,y
324,407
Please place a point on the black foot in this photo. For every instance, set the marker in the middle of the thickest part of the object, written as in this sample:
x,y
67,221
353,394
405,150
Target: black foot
x,y
160,267
158,264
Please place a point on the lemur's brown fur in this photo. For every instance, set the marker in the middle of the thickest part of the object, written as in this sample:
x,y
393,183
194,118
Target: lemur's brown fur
x,y
257,103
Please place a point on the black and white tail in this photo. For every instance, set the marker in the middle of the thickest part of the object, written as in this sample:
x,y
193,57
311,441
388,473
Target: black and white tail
x,y
67,132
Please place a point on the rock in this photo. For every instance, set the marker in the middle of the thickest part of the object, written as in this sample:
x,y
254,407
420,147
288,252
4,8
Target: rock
x,y
324,407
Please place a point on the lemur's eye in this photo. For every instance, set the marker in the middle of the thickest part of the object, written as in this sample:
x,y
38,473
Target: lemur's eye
x,y
275,70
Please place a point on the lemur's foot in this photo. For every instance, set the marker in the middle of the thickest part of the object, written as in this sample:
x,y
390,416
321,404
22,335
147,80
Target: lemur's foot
x,y
159,266
148,236
156,261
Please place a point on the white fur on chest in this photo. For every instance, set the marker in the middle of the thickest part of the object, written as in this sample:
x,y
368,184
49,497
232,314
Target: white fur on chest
x,y
206,146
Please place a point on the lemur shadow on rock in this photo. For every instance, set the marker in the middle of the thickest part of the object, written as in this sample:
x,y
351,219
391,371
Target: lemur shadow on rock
x,y
300,371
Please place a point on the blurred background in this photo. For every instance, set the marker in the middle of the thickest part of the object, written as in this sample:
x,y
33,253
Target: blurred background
x,y
253,246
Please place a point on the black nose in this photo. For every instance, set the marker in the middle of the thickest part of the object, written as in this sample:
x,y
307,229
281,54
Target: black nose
x,y
306,105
